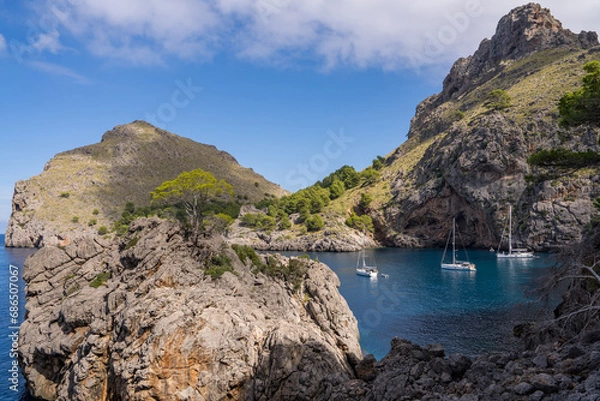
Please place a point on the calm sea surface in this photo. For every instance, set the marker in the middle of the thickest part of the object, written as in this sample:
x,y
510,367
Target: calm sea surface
x,y
465,312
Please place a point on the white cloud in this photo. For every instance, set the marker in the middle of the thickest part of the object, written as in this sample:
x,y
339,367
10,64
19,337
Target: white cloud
x,y
59,70
48,41
389,34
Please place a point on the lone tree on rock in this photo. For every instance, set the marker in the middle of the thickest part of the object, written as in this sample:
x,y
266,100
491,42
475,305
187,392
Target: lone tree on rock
x,y
193,190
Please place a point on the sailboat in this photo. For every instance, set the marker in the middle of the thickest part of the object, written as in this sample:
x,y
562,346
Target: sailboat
x,y
362,269
456,264
512,252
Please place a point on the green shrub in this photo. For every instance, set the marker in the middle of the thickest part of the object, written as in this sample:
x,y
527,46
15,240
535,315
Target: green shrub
x,y
378,163
583,105
100,279
369,176
244,253
314,223
75,219
293,272
65,195
103,230
365,201
96,212
217,223
498,99
285,223
92,222
362,223
132,242
218,265
336,189
564,158
259,221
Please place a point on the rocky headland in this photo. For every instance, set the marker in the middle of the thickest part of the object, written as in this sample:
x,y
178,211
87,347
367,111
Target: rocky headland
x,y
143,319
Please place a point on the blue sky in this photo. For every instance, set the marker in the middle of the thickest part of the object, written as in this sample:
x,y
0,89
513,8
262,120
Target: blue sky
x,y
273,82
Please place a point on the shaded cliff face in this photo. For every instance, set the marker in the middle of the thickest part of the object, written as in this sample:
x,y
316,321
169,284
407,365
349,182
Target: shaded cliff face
x,y
130,162
140,320
468,160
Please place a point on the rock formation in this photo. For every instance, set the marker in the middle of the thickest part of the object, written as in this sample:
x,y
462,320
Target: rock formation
x,y
141,319
83,189
467,159
412,372
525,31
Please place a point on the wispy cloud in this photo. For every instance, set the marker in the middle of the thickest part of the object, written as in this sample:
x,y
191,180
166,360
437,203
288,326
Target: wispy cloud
x,y
56,69
388,34
2,44
48,41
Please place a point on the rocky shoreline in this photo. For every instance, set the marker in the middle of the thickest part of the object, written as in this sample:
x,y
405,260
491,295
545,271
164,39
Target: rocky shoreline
x,y
141,318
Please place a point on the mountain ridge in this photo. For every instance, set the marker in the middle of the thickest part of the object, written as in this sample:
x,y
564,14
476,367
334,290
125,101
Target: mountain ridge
x,y
92,184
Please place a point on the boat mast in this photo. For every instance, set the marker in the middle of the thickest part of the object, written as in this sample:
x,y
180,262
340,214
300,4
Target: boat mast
x,y
509,229
453,241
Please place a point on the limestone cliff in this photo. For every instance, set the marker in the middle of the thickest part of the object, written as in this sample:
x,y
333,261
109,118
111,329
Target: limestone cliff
x,y
142,319
466,158
85,188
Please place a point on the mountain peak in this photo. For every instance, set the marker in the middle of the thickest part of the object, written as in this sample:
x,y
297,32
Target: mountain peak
x,y
135,130
522,32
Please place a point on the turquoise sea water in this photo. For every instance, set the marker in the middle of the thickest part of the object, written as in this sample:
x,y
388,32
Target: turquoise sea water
x,y
467,312
12,308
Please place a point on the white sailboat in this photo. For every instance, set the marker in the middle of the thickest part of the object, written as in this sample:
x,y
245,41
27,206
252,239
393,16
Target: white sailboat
x,y
362,269
512,252
456,264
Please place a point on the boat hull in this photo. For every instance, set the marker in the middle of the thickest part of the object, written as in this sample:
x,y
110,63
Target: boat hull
x,y
366,272
520,255
466,266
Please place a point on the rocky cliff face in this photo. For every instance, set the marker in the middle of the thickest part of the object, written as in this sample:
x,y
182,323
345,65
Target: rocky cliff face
x,y
85,188
468,160
523,32
142,320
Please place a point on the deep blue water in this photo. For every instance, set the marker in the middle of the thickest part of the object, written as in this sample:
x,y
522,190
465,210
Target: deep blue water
x,y
12,307
467,312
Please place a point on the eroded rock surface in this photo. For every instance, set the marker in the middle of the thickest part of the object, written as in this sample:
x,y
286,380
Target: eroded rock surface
x,y
140,320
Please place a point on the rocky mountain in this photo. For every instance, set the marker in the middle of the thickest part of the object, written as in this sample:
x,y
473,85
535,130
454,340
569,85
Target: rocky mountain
x,y
85,188
147,317
466,156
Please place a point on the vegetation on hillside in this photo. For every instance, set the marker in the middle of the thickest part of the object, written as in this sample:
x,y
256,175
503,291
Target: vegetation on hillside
x,y
575,108
307,204
578,265
583,105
